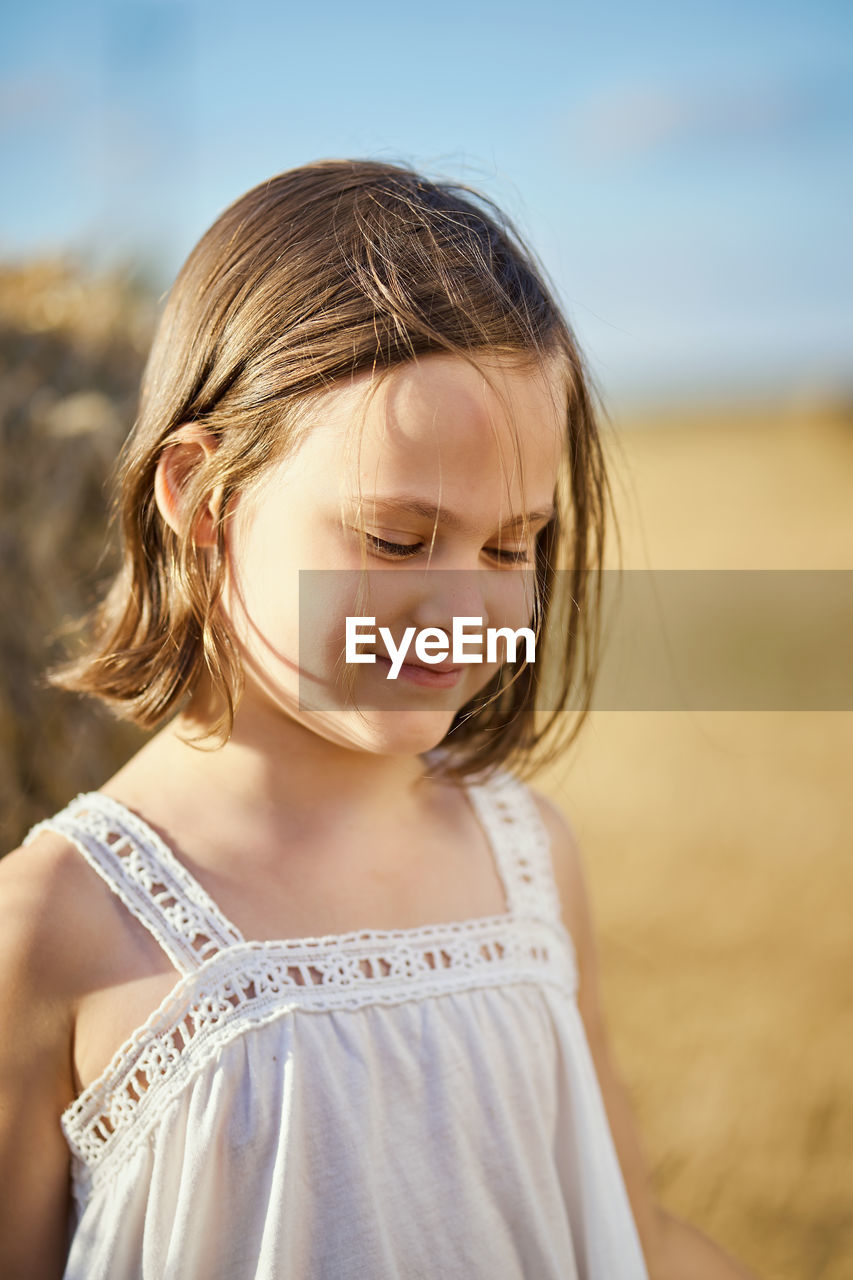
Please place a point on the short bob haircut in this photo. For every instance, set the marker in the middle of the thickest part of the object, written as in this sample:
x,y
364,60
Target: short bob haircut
x,y
323,272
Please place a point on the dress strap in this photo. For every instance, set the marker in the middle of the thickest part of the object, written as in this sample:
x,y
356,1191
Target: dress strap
x,y
521,843
144,873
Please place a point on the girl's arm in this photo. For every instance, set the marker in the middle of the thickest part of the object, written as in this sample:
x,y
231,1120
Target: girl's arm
x,y
673,1249
35,1060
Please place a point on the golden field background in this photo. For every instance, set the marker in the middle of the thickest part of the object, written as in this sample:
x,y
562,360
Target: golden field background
x,y
719,855
717,845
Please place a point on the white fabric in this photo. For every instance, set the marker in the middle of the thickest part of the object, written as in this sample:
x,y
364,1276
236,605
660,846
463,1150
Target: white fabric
x,y
370,1106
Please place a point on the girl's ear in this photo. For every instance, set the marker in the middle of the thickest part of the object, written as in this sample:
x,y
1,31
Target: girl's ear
x,y
187,449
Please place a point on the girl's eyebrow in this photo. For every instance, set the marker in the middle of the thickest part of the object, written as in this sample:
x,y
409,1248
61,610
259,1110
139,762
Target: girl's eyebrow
x,y
429,511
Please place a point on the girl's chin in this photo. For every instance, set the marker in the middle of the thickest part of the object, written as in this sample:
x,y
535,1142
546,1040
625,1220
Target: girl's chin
x,y
394,733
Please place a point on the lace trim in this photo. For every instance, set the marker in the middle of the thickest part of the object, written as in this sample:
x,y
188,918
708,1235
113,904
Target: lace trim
x,y
162,894
144,873
255,983
228,984
509,813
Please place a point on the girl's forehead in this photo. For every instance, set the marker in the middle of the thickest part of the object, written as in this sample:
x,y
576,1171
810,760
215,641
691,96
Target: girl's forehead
x,y
445,404
484,444
486,438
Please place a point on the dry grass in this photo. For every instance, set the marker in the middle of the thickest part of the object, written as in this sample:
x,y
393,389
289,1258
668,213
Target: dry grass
x,y
71,353
717,845
718,851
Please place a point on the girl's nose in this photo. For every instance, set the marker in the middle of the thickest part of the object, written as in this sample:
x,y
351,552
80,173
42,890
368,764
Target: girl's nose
x,y
445,594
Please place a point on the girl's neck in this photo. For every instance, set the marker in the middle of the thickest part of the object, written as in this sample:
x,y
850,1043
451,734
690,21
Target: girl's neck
x,y
271,765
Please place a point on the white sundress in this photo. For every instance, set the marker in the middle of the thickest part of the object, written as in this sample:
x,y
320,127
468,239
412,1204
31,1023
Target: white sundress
x,y
379,1105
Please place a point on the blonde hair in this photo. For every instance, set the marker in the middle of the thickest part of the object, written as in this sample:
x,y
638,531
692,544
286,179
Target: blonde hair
x,y
324,271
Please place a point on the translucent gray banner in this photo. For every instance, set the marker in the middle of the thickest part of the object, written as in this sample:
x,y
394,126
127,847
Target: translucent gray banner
x,y
671,640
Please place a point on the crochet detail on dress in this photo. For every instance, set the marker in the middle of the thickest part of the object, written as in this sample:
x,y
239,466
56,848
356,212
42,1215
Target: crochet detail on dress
x,y
141,869
228,984
508,811
161,893
255,983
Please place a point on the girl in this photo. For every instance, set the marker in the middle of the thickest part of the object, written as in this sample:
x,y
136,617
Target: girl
x,y
307,989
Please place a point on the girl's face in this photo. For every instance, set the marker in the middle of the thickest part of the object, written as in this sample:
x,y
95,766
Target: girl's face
x,y
437,467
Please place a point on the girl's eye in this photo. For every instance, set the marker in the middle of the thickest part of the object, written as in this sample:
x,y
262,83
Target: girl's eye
x,y
517,555
392,548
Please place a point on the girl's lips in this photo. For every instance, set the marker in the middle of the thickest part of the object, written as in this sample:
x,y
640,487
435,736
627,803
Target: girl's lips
x,y
430,677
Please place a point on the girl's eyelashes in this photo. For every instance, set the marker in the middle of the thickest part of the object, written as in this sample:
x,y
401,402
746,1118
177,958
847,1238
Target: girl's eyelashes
x,y
399,549
403,550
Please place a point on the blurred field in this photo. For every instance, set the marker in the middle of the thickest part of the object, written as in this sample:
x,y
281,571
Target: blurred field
x,y
71,354
719,853
718,845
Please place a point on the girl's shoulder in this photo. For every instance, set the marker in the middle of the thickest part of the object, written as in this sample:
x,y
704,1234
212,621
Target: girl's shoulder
x,y
45,904
59,939
62,932
45,947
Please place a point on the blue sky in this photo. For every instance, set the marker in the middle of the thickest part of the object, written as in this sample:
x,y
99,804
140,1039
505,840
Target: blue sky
x,y
684,171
